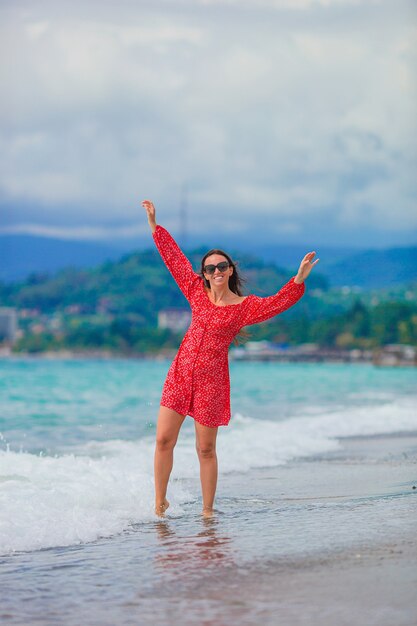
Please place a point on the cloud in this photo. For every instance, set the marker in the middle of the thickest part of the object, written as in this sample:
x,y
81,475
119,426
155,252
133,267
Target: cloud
x,y
292,112
87,233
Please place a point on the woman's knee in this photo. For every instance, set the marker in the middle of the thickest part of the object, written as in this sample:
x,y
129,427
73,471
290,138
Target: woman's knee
x,y
165,442
206,450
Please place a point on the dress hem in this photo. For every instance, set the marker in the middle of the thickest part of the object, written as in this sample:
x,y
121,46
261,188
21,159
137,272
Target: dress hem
x,y
194,418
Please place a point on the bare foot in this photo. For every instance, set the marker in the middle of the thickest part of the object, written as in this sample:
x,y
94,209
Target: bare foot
x,y
207,511
161,508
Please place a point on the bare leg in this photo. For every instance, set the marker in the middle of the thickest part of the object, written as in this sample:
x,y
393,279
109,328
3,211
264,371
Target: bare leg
x,y
206,450
167,429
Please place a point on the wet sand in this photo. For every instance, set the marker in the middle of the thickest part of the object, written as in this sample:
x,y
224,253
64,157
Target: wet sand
x,y
374,587
320,542
356,580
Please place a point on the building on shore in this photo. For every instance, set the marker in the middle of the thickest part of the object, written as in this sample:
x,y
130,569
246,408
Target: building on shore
x,y
176,320
8,325
395,355
391,355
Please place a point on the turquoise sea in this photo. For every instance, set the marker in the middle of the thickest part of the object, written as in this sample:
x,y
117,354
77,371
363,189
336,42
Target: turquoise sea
x,y
76,486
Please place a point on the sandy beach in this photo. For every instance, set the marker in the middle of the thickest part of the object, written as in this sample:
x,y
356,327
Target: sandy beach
x,y
317,542
371,586
315,511
359,581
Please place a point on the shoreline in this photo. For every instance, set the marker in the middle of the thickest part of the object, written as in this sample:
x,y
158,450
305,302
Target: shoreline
x,y
103,355
317,541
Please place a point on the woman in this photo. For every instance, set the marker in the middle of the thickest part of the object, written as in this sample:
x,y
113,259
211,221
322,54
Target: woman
x,y
197,383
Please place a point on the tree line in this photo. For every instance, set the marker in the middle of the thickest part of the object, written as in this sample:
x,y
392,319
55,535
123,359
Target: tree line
x,y
115,305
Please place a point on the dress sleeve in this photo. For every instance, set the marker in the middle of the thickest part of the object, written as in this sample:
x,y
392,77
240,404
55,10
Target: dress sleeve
x,y
175,260
261,309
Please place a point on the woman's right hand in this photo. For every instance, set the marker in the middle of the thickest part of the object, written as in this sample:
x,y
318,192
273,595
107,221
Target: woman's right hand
x,y
150,210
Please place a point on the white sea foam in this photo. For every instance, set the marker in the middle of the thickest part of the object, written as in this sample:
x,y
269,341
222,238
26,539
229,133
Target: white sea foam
x,y
48,501
106,486
254,443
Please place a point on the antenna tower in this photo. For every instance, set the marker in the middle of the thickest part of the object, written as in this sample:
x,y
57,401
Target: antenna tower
x,y
183,215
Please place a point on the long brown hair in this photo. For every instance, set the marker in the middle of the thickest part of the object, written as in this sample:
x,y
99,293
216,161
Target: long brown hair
x,y
235,280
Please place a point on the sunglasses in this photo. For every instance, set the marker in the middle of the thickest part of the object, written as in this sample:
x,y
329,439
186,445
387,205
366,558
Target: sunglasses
x,y
222,267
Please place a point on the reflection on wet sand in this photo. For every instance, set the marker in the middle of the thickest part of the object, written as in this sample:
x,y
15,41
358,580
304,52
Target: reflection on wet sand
x,y
206,549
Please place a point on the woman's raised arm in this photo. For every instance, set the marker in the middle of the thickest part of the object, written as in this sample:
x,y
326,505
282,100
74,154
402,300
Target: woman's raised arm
x,y
173,257
151,213
261,309
305,268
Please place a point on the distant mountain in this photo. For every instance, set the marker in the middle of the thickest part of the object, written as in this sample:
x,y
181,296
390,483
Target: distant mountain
x,y
291,255
353,267
374,268
22,255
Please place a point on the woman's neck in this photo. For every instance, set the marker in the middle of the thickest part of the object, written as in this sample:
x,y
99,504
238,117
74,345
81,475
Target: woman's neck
x,y
221,293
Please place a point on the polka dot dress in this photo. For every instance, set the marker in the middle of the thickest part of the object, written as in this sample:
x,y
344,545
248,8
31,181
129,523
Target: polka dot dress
x,y
198,381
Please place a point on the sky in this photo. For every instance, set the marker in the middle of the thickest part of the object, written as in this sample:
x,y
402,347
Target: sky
x,y
282,121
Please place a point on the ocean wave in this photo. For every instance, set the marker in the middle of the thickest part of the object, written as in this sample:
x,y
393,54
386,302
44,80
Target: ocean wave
x,y
104,487
66,500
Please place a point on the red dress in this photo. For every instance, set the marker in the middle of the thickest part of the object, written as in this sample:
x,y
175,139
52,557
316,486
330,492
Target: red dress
x,y
198,382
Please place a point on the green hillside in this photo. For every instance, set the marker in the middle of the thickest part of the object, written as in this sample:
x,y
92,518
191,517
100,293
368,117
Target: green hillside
x,y
115,306
139,283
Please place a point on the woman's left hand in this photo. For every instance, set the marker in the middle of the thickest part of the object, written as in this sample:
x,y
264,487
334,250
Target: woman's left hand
x,y
305,268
